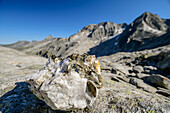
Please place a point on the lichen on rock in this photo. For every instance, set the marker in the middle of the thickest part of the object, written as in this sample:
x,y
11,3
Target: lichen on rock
x,y
68,83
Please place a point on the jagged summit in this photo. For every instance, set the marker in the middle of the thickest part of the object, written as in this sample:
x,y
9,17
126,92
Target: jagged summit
x,y
143,32
146,32
155,23
50,37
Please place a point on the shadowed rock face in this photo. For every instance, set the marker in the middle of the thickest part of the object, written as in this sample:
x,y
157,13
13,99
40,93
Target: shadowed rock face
x,y
70,83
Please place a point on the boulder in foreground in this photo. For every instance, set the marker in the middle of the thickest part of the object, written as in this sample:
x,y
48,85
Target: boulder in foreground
x,y
67,83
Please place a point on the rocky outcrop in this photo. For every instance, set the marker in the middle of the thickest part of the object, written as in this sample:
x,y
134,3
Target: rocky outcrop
x,y
140,84
70,83
140,68
164,62
49,38
107,29
158,80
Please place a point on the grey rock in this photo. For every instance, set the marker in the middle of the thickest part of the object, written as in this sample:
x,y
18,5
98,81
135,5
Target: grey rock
x,y
163,91
49,38
106,29
138,69
114,78
140,84
132,73
158,80
125,79
69,83
150,68
141,75
164,63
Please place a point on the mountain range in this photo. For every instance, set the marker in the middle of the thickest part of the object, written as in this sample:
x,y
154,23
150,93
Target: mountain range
x,y
134,61
145,32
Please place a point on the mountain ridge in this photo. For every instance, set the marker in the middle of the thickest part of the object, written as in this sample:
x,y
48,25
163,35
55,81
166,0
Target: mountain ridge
x,y
89,36
137,36
145,32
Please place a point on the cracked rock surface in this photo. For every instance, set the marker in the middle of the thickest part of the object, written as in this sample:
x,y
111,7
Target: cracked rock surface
x,y
67,83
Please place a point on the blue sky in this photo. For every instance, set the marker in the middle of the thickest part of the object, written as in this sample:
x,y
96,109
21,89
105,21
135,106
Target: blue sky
x,y
36,19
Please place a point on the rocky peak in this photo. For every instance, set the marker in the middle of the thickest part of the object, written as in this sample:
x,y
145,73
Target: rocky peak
x,y
123,25
143,32
90,28
107,29
150,22
35,42
49,38
146,32
104,29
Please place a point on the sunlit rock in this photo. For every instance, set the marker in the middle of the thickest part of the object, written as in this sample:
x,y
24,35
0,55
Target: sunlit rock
x,y
67,83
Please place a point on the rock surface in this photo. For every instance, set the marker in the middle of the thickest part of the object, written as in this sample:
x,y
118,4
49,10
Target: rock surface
x,y
164,62
140,84
69,83
21,100
158,80
116,95
138,68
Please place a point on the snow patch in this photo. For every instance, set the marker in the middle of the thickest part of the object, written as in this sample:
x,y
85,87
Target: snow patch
x,y
100,26
148,28
104,38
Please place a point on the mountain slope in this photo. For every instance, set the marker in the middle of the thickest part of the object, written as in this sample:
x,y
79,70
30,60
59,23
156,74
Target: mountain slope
x,y
146,32
81,42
